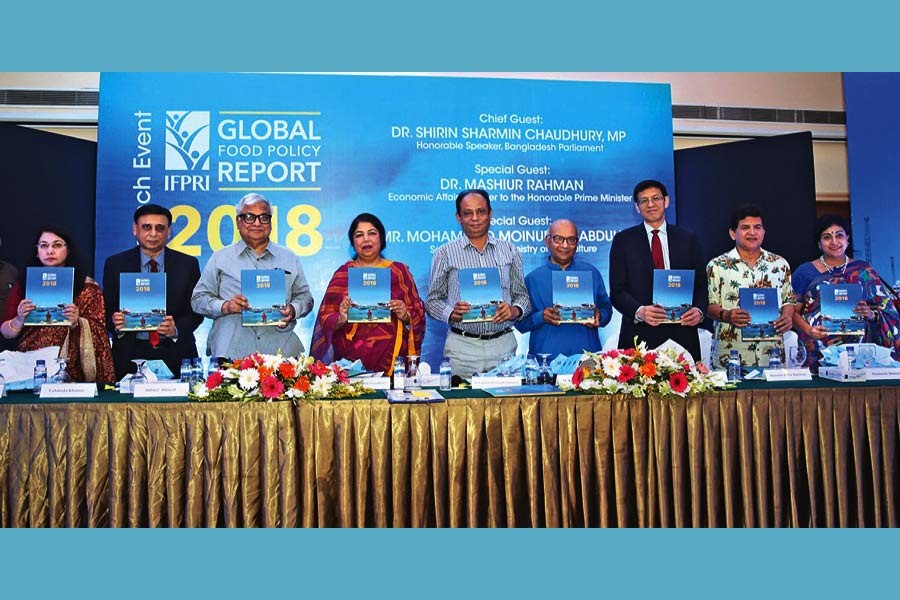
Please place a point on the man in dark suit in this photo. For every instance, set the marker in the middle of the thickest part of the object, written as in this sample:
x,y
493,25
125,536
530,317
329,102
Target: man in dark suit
x,y
633,256
173,340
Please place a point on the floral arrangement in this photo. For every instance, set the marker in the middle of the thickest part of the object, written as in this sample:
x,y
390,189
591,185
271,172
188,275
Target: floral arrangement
x,y
267,377
640,372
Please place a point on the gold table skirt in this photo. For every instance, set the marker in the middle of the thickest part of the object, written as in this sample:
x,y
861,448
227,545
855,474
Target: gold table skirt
x,y
811,457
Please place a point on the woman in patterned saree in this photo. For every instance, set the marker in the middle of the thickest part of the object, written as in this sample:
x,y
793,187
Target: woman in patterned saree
x,y
376,344
882,322
85,343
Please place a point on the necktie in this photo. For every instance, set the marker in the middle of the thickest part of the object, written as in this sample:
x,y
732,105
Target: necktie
x,y
656,251
154,336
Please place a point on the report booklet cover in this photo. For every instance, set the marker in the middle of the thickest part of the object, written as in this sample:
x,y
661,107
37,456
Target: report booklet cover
x,y
573,296
837,304
370,291
762,304
142,299
481,289
673,290
264,290
50,288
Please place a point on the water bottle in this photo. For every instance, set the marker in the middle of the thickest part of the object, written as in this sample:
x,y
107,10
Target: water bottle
x,y
187,371
775,358
446,382
40,375
734,367
399,373
197,370
851,357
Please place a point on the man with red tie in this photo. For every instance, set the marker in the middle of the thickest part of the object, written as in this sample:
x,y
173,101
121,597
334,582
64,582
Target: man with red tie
x,y
633,256
174,339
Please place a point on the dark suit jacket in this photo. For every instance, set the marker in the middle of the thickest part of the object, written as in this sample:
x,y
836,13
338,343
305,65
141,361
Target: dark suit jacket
x,y
631,284
182,273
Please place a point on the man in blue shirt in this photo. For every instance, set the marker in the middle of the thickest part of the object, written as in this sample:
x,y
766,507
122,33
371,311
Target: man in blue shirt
x,y
547,334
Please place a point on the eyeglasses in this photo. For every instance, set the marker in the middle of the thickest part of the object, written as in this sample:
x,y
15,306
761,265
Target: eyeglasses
x,y
160,228
560,240
838,236
654,200
249,218
57,245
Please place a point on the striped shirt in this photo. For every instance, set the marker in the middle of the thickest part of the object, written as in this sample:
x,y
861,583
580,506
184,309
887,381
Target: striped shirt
x,y
443,287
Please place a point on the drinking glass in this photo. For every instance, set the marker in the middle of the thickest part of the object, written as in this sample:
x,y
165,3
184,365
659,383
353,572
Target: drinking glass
x,y
503,367
138,376
61,375
531,371
797,357
867,355
546,375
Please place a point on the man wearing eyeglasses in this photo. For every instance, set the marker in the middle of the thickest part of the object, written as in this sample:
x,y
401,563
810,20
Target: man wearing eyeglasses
x,y
548,332
174,339
476,346
633,256
218,293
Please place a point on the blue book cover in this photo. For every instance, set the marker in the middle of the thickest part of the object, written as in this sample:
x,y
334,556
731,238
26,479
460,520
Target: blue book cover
x,y
573,296
837,304
265,291
481,289
370,291
50,288
142,299
762,304
673,290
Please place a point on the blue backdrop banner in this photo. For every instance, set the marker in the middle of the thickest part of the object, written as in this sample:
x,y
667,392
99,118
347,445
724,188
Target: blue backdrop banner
x,y
873,125
324,148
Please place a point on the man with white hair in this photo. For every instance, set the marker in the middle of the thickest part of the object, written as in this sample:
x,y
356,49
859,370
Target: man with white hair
x,y
218,293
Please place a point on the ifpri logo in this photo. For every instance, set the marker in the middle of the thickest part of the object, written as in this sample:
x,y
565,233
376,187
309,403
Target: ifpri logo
x,y
187,149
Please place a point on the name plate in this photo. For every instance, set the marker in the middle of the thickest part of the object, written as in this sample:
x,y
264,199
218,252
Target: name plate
x,y
877,373
160,389
376,383
839,374
788,375
480,382
68,390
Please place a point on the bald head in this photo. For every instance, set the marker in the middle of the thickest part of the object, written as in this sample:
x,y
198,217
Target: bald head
x,y
562,241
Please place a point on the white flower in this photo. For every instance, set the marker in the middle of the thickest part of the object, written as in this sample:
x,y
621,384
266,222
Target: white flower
x,y
272,360
230,374
611,366
321,386
591,384
248,379
292,393
200,390
665,360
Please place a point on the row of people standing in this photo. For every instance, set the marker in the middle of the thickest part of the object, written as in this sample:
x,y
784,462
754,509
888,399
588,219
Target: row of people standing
x,y
473,347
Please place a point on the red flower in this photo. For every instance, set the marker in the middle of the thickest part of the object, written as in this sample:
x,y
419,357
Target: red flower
x,y
578,376
302,384
214,379
611,353
650,357
629,352
678,382
271,387
287,370
626,373
318,368
247,363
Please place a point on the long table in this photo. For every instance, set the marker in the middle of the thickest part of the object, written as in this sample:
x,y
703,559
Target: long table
x,y
756,456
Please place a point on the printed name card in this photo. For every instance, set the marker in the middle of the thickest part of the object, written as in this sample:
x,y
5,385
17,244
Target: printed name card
x,y
788,375
878,373
376,383
480,382
68,390
161,389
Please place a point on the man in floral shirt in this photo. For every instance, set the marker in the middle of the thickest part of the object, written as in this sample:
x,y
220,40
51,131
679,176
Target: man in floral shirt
x,y
746,266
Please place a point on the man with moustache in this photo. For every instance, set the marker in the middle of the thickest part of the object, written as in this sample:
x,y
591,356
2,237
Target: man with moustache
x,y
218,293
635,253
476,347
547,335
174,339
